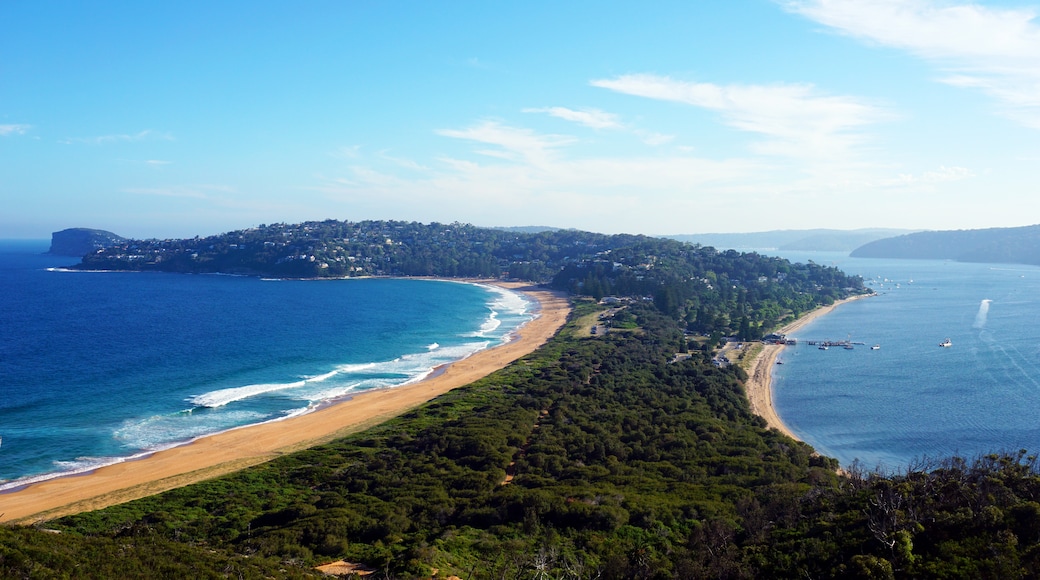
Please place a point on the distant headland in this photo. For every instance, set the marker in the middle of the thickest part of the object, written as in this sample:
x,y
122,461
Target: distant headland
x,y
816,240
993,245
82,241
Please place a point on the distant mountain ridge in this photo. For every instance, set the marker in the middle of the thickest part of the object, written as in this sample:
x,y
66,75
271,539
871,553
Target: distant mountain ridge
x,y
820,240
1019,245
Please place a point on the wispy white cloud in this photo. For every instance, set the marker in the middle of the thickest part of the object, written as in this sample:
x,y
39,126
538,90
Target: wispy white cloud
x,y
593,118
16,129
347,152
928,178
654,139
513,143
518,175
154,163
796,119
995,50
599,119
402,162
146,135
527,174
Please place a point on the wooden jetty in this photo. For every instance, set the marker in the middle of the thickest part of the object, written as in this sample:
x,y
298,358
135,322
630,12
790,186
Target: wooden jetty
x,y
834,343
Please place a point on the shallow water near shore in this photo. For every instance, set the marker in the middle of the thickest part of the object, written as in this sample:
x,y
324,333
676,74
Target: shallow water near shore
x,y
97,368
912,399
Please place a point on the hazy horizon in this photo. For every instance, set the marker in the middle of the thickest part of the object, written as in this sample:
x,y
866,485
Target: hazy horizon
x,y
745,116
517,227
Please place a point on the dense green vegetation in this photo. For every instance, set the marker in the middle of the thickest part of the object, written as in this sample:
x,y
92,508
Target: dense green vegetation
x,y
334,248
620,464
598,456
712,292
995,245
725,293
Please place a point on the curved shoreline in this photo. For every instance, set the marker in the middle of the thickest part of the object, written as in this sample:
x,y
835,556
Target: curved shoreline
x,y
759,384
239,448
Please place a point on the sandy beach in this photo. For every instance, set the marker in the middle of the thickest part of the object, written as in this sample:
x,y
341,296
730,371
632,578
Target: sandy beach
x,y
759,383
234,450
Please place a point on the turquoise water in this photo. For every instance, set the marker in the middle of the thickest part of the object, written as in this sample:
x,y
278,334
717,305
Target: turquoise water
x,y
912,399
99,367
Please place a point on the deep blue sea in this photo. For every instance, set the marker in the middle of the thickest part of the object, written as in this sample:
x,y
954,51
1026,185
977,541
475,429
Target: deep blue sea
x,y
99,367
912,399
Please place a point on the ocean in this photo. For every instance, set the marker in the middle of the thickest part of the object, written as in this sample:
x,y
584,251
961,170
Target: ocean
x,y
102,367
912,400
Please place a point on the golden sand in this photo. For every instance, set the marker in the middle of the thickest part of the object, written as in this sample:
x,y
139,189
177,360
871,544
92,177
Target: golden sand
x,y
759,383
239,448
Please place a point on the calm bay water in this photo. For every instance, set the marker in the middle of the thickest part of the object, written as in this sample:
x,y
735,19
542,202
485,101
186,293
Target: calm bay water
x,y
912,399
99,367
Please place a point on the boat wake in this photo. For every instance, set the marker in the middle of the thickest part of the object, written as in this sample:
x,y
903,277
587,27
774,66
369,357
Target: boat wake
x,y
982,314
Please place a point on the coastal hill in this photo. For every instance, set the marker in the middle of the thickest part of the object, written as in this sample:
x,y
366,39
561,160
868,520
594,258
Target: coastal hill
x,y
1019,245
714,293
334,249
82,241
815,240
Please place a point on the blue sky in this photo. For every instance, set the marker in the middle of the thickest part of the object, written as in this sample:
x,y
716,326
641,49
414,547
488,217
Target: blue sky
x,y
193,118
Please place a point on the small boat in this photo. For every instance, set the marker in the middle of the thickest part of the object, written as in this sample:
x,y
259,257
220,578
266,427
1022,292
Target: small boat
x,y
876,347
823,347
779,362
946,343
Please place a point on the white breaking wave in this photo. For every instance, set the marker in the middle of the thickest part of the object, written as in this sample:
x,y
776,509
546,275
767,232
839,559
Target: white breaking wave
x,y
333,393
159,431
508,301
406,369
153,434
490,325
355,368
222,397
982,314
322,378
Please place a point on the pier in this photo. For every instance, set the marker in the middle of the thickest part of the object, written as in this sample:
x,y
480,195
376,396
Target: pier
x,y
835,343
777,338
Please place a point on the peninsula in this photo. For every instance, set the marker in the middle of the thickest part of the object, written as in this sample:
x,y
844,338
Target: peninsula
x,y
620,448
992,245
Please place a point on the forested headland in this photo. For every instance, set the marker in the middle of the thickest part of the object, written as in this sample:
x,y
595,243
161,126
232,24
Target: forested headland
x,y
598,456
709,291
993,245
